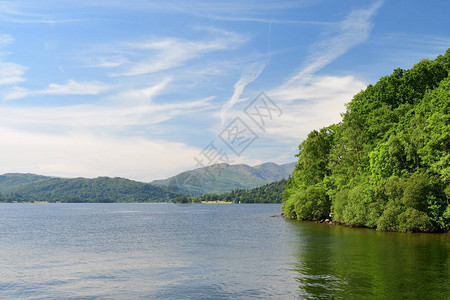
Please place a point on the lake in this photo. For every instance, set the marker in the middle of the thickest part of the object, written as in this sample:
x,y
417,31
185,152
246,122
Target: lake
x,y
208,251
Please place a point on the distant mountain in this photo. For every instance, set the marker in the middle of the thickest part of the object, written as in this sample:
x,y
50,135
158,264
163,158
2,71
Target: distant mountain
x,y
222,178
216,179
12,181
268,193
29,187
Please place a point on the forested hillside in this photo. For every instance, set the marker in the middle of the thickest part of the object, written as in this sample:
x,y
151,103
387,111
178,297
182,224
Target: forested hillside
x,y
15,187
269,193
12,181
101,189
386,164
223,178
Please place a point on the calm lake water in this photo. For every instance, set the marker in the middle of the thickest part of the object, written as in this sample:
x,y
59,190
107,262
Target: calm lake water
x,y
208,251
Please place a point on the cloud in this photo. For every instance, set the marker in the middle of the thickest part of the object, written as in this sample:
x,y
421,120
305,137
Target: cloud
x,y
250,74
170,53
310,101
16,12
318,88
161,54
71,87
303,86
266,20
142,95
110,136
233,10
90,155
10,73
352,31
94,139
5,40
320,103
323,100
104,115
110,61
201,7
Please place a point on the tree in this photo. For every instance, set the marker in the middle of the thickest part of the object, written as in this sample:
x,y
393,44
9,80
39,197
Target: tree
x,y
386,164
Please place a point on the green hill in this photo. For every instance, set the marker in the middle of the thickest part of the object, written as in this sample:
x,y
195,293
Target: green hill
x,y
386,164
268,193
30,187
222,178
101,189
11,181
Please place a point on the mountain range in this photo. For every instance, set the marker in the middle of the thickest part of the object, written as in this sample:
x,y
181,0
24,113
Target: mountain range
x,y
214,179
222,178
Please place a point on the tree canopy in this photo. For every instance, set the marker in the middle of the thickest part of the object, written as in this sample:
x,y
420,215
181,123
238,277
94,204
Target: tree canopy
x,y
101,190
269,193
386,164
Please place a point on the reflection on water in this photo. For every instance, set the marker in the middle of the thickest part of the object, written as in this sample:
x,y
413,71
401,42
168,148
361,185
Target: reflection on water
x,y
339,262
207,251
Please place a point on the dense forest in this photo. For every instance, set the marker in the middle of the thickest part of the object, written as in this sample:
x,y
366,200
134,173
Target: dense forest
x,y
36,188
269,193
101,190
386,164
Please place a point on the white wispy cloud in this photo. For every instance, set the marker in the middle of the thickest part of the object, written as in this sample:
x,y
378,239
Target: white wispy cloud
x,y
352,31
310,101
91,155
71,87
19,12
167,53
89,116
203,7
110,61
141,95
92,139
234,18
50,12
101,138
5,40
250,74
323,99
10,73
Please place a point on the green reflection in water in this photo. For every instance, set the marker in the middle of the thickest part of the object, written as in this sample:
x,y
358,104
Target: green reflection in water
x,y
340,262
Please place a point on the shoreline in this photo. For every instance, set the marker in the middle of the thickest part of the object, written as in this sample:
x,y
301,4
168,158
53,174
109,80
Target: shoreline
x,y
337,223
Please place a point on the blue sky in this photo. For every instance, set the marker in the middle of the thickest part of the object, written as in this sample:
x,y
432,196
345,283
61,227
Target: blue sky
x,y
141,89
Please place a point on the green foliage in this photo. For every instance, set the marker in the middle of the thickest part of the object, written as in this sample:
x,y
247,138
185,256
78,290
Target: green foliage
x,y
101,190
351,207
312,203
11,181
181,199
388,221
412,220
33,188
269,193
223,178
445,219
386,165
